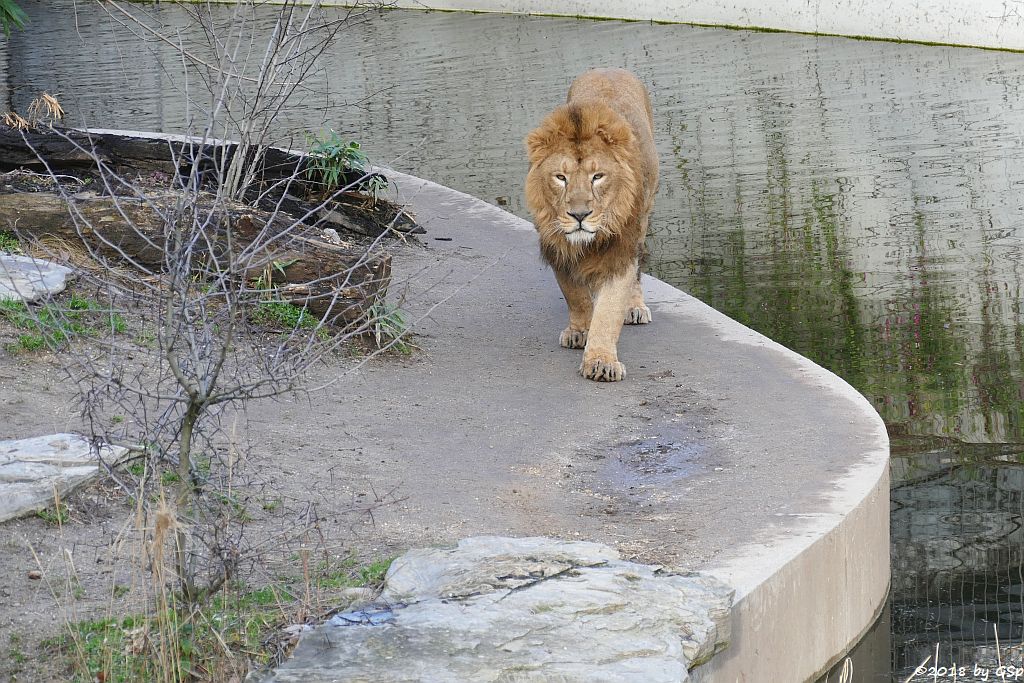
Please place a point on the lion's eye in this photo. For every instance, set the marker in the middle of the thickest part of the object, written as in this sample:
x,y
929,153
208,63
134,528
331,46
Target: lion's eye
x,y
597,176
560,178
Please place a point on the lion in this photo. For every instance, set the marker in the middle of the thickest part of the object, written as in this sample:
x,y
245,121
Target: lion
x,y
591,185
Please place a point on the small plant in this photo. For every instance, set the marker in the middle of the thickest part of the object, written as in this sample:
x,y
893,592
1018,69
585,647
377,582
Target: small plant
x,y
373,574
9,243
57,516
17,656
374,185
31,342
331,157
236,506
13,119
43,107
14,654
389,326
11,16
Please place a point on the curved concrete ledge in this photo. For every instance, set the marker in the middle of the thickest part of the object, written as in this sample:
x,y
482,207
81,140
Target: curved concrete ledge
x,y
794,512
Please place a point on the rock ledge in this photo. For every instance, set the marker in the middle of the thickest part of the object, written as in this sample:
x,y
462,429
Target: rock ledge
x,y
520,609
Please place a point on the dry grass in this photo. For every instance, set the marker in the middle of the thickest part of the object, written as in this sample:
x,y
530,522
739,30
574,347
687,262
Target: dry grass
x,y
14,120
45,107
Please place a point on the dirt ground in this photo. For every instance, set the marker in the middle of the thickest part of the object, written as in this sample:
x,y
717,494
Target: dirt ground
x,y
90,566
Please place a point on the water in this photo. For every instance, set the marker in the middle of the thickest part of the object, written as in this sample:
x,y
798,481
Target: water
x,y
856,201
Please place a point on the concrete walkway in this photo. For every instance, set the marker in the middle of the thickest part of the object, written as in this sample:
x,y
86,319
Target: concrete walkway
x,y
721,450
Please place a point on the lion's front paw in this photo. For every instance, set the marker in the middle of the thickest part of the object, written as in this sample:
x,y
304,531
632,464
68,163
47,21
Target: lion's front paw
x,y
572,338
602,367
638,315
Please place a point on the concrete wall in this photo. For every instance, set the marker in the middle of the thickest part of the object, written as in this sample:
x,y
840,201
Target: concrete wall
x,y
983,23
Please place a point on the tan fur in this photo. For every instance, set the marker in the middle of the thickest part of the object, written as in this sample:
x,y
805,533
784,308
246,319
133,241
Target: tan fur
x,y
591,185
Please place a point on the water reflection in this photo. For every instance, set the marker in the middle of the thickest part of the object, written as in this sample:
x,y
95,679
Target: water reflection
x,y
856,201
958,549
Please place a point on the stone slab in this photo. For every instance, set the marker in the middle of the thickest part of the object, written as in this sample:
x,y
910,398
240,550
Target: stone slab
x,y
520,609
24,278
33,471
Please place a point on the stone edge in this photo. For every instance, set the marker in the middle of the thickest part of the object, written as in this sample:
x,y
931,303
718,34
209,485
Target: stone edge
x,y
984,24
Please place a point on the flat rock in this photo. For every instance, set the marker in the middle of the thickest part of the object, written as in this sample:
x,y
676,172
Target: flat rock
x,y
32,470
519,609
24,278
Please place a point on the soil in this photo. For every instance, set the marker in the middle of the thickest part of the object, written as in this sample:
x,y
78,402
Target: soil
x,y
90,565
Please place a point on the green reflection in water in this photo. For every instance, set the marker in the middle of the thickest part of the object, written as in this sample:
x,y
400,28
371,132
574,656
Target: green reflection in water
x,y
788,271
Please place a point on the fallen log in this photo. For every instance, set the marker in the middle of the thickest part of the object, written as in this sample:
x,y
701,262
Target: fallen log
x,y
281,174
339,282
73,149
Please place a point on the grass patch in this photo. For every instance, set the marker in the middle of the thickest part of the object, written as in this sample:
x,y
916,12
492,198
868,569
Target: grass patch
x,y
55,516
281,314
9,243
349,574
53,326
215,642
373,573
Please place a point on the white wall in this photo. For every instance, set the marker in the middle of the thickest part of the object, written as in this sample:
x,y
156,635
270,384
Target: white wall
x,y
985,23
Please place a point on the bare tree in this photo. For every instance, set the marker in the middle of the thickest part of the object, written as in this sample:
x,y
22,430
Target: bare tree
x,y
202,252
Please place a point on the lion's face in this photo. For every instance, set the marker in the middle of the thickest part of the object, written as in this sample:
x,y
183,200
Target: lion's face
x,y
578,187
579,190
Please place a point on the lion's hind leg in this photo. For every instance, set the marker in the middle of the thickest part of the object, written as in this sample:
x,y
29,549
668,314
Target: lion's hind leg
x,y
637,312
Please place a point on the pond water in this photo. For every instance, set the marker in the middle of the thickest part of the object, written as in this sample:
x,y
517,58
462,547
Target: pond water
x,y
859,202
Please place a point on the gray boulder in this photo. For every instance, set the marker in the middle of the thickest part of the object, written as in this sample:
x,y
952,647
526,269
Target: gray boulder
x,y
519,609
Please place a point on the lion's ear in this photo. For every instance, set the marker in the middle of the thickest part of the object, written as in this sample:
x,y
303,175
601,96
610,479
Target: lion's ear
x,y
537,142
615,133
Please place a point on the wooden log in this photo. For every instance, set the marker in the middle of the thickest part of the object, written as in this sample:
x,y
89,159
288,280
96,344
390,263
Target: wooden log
x,y
73,149
337,281
135,155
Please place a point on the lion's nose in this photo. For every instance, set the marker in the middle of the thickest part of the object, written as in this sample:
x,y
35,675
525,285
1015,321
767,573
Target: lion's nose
x,y
580,215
